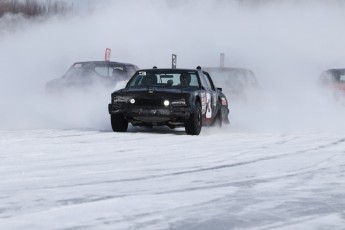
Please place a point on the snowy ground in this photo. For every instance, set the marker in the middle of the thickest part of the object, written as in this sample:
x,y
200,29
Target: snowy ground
x,y
162,179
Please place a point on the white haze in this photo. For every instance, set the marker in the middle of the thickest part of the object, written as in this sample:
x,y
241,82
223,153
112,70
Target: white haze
x,y
287,45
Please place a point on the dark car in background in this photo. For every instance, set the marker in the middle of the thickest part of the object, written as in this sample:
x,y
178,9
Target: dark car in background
x,y
84,75
172,97
334,78
236,82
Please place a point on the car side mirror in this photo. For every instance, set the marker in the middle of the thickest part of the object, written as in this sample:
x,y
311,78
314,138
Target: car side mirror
x,y
220,89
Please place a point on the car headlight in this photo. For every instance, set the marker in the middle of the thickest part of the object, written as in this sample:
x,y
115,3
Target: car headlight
x,y
166,103
132,101
180,102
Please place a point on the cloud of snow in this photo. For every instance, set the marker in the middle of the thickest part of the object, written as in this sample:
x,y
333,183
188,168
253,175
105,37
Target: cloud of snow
x,y
286,44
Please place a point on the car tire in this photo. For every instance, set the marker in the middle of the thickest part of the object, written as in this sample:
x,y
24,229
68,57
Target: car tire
x,y
118,123
194,123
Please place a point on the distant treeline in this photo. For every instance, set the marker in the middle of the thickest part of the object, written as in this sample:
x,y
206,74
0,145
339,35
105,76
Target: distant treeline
x,y
33,8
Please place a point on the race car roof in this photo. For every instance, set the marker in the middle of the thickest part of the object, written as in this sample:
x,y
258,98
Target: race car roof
x,y
169,70
101,62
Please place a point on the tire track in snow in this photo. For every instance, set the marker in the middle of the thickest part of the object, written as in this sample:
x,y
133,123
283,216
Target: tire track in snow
x,y
215,168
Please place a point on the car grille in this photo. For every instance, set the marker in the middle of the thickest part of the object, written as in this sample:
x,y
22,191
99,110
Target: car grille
x,y
148,102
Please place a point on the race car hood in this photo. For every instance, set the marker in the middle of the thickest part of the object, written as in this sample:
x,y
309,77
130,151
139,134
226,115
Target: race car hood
x,y
149,90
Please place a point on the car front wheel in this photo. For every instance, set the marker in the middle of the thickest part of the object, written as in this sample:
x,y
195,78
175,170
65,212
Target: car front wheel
x,y
194,122
118,123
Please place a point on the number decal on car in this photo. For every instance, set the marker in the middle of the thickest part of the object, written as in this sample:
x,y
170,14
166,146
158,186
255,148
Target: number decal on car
x,y
203,103
208,105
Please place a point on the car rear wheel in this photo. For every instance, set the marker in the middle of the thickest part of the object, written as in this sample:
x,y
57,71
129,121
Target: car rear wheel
x,y
194,122
118,123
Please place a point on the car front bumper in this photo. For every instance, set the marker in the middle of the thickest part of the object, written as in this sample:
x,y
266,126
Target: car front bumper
x,y
151,114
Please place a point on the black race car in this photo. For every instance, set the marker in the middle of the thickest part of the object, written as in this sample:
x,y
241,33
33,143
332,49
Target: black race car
x,y
171,97
83,75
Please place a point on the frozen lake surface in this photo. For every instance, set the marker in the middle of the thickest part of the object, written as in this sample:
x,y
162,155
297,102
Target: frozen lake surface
x,y
162,179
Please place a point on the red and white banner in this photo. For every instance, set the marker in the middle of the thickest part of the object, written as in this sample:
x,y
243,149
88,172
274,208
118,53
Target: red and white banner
x,y
107,54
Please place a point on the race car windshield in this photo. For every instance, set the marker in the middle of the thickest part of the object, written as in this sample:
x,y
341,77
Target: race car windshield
x,y
339,76
99,69
176,80
78,69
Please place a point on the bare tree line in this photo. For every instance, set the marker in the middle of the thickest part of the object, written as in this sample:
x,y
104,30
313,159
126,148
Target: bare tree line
x,y
33,8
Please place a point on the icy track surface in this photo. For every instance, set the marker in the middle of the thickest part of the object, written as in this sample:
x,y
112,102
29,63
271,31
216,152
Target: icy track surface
x,y
162,179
